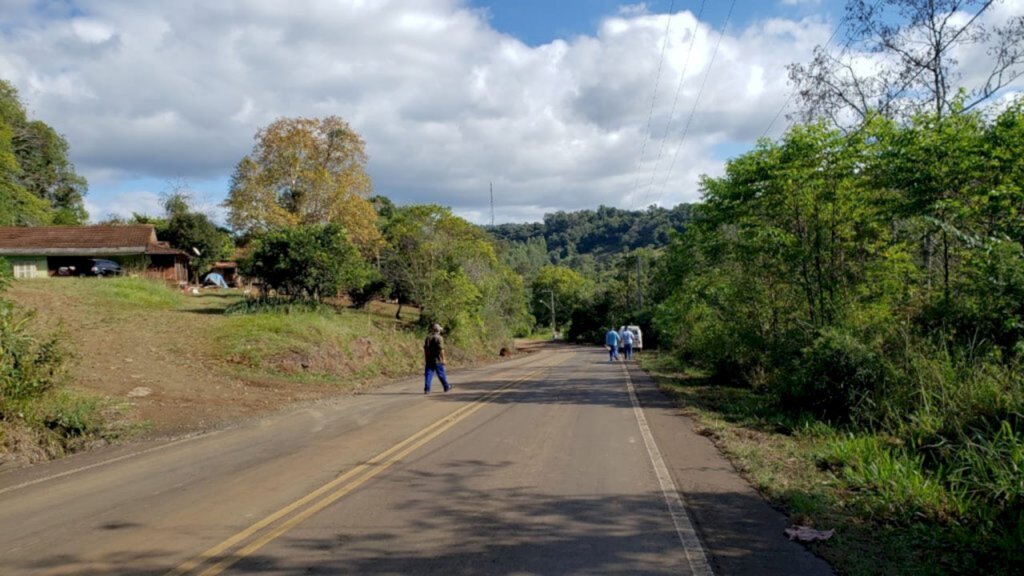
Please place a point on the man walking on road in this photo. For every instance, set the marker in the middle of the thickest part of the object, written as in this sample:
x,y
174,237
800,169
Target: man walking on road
x,y
627,344
433,356
611,340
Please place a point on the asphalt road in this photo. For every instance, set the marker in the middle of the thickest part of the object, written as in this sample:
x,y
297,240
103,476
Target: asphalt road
x,y
554,463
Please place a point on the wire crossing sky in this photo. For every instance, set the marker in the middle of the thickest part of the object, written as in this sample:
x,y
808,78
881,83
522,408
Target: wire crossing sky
x,y
654,99
696,101
675,101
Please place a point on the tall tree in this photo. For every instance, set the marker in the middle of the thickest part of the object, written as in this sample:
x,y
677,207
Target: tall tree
x,y
305,171
557,291
428,259
903,60
34,160
18,207
449,268
193,232
48,174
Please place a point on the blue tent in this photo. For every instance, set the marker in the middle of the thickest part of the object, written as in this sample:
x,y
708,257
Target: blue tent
x,y
215,279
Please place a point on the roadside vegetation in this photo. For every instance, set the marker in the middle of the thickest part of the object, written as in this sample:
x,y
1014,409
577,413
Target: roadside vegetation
x,y
891,516
854,282
39,415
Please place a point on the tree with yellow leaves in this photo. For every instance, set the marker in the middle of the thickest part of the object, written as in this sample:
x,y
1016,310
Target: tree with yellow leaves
x,y
305,171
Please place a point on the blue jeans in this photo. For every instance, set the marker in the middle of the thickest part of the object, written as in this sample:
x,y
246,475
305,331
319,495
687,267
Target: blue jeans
x,y
613,352
627,350
428,376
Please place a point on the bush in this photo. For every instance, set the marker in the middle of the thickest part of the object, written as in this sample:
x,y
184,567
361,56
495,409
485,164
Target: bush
x,y
374,288
30,366
832,377
276,304
71,415
309,262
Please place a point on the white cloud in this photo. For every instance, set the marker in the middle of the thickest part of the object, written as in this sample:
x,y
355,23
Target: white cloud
x,y
124,204
633,9
160,90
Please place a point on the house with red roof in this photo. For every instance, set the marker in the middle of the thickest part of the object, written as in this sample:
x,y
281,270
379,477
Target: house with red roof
x,y
45,251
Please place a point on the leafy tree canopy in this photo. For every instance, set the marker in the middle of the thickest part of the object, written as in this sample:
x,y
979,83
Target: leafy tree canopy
x,y
600,233
38,184
307,262
305,171
193,232
449,268
557,291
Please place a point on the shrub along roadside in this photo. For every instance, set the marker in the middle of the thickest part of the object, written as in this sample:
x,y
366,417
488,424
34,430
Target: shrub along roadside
x,y
873,279
895,511
38,416
314,342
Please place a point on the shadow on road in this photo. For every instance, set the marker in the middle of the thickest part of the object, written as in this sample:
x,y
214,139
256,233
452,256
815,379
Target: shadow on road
x,y
585,383
463,521
464,531
453,528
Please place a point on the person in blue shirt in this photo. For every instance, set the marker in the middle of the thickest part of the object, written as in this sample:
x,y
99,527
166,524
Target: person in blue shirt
x,y
611,340
627,344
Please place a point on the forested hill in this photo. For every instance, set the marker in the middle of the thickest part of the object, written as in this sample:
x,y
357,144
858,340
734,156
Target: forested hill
x,y
598,232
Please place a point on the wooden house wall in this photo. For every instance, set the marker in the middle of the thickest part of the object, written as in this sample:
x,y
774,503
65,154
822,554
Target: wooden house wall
x,y
167,267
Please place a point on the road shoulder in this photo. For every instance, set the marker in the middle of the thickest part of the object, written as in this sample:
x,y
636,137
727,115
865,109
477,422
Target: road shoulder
x,y
741,532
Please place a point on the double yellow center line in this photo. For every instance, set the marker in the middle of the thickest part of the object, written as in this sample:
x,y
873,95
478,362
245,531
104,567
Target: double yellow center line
x,y
280,522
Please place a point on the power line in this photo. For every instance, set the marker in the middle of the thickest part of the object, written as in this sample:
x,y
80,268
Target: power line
x,y
654,98
675,100
696,101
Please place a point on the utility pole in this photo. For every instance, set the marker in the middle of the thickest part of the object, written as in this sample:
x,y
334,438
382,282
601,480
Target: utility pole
x,y
554,330
492,204
551,305
639,292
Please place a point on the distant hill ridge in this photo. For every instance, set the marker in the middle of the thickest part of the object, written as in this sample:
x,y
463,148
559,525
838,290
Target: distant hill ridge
x,y
600,232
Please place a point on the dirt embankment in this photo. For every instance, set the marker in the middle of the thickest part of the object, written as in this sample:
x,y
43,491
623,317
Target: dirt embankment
x,y
183,365
155,362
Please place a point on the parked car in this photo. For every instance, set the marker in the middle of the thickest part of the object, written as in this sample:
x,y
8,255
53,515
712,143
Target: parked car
x,y
102,267
638,336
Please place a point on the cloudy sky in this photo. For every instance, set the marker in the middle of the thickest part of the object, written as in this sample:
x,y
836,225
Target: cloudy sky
x,y
562,105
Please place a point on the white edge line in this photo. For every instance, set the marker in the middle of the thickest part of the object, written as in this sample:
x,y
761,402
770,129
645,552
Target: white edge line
x,y
97,464
692,546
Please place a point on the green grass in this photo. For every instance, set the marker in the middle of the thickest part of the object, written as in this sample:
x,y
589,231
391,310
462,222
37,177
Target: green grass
x,y
132,293
324,345
63,421
893,514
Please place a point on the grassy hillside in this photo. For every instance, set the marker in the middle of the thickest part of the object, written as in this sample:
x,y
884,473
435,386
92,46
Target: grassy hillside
x,y
147,358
